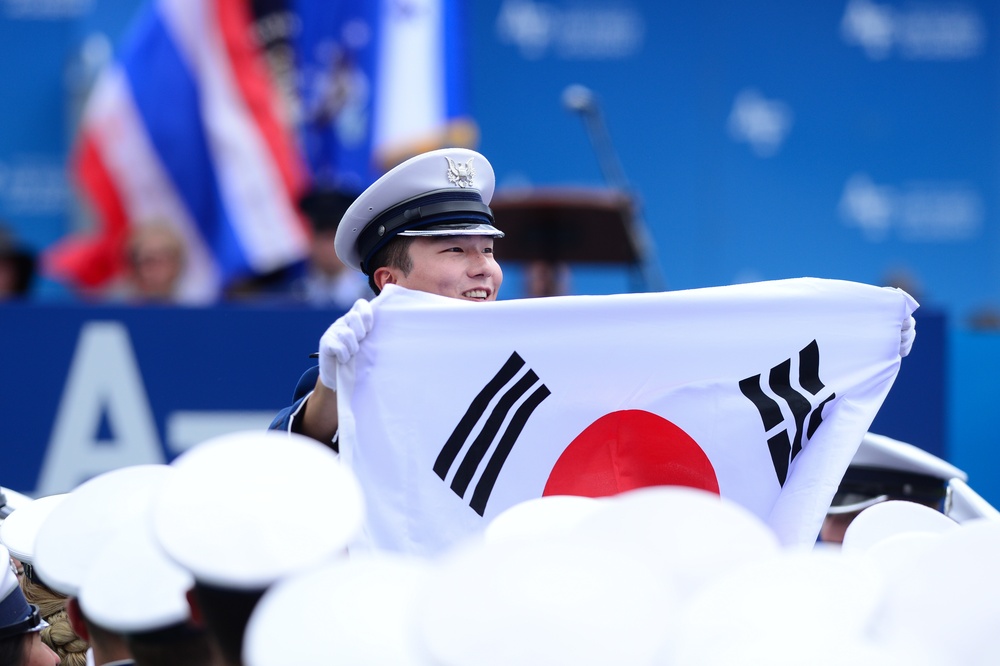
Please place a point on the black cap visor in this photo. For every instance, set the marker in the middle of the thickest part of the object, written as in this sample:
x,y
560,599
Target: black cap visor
x,y
427,210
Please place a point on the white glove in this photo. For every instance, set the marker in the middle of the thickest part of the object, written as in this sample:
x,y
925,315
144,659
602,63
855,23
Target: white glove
x,y
907,333
341,341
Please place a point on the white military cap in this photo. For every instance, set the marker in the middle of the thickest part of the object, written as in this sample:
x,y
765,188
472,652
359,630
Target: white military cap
x,y
444,192
554,600
133,587
17,616
541,516
76,531
354,610
884,468
19,530
893,518
245,509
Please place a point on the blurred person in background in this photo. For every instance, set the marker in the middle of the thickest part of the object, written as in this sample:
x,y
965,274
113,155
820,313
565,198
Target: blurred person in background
x,y
59,635
322,280
21,623
206,518
545,278
72,539
154,261
327,282
136,591
886,469
17,533
17,267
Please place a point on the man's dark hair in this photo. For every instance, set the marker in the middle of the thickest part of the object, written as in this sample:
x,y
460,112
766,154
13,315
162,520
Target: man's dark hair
x,y
226,613
324,206
394,254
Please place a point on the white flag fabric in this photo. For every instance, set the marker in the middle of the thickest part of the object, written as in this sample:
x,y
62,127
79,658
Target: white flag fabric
x,y
453,411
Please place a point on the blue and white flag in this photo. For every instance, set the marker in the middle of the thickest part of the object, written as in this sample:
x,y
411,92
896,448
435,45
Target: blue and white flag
x,y
453,411
380,81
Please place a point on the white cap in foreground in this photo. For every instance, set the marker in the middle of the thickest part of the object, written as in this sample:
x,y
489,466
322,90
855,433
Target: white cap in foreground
x,y
245,509
75,532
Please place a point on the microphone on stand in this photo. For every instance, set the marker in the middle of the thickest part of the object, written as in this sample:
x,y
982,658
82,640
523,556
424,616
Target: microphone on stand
x,y
581,100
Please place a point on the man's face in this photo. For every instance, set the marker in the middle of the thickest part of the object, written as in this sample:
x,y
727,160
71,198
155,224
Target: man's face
x,y
454,266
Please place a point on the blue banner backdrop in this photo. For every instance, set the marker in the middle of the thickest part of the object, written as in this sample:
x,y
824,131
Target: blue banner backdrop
x,y
85,390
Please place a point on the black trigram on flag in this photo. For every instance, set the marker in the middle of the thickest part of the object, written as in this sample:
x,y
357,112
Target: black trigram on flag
x,y
489,412
783,447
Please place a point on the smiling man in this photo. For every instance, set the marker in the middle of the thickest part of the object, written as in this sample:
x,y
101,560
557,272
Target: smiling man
x,y
425,225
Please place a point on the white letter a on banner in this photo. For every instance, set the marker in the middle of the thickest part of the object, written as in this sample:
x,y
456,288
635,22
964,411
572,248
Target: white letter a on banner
x,y
104,382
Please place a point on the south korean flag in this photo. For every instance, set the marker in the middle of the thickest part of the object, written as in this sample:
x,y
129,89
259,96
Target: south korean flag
x,y
453,411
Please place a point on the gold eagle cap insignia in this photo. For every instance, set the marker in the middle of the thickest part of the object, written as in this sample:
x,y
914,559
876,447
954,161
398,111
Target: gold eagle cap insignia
x,y
459,174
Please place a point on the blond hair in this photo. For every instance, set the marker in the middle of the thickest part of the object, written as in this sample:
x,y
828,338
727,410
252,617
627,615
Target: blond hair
x,y
59,635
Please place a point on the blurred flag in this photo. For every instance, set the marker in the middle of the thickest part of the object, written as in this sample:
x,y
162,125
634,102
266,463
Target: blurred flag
x,y
380,81
759,392
183,127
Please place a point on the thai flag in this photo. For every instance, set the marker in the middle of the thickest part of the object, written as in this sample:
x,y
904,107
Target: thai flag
x,y
183,127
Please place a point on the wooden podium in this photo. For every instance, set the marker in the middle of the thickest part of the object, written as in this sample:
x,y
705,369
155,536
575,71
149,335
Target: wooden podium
x,y
566,226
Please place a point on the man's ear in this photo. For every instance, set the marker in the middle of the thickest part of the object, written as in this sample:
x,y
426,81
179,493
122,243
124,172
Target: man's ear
x,y
384,276
196,617
75,616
